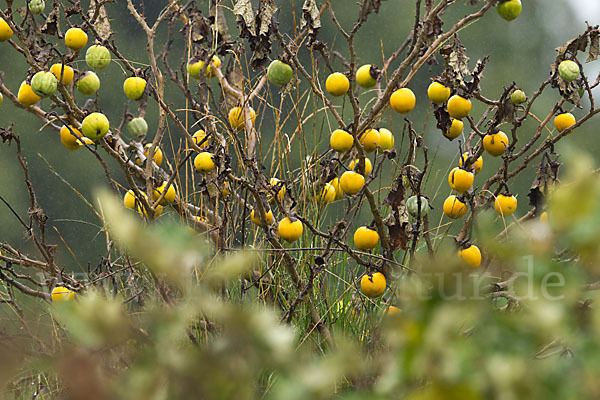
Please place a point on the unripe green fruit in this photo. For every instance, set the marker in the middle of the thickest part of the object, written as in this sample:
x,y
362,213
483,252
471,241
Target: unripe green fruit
x,y
568,70
518,97
97,57
138,127
412,205
37,6
279,73
44,84
95,126
510,9
89,84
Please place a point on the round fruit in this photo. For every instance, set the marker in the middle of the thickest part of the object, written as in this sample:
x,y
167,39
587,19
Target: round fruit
x,y
373,285
454,207
403,100
364,77
412,205
290,230
89,84
477,164
169,195
26,96
518,97
279,73
505,205
365,238
6,31
393,310
129,199
69,137
459,107
387,139
44,84
455,129
341,141
236,118
337,84
438,93
544,217
204,162
97,57
138,127
200,138
275,184
95,126
328,194
36,6
370,139
568,70
1,99
564,121
195,67
460,179
134,87
471,256
61,293
339,193
256,219
76,39
495,144
368,166
67,73
351,182
158,155
509,9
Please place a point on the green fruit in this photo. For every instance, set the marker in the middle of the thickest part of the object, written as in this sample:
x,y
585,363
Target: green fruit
x,y
518,97
510,9
568,70
279,73
412,205
44,84
97,57
95,126
37,6
89,84
1,99
138,127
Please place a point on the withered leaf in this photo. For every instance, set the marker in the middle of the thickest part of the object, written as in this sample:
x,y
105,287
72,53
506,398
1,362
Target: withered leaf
x,y
594,46
101,22
265,17
245,15
368,7
52,22
311,18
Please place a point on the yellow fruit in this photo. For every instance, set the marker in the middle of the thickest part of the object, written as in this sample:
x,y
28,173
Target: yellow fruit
x,y
134,87
364,77
88,84
495,144
564,121
26,96
68,140
438,93
505,205
454,208
204,162
370,139
200,138
366,238
471,256
289,230
158,155
76,39
61,293
95,126
403,100
368,166
341,141
393,311
351,182
339,193
455,129
129,199
256,218
509,9
195,67
328,194
477,165
5,31
373,285
544,217
459,107
337,84
386,139
236,118
276,184
460,179
169,195
67,73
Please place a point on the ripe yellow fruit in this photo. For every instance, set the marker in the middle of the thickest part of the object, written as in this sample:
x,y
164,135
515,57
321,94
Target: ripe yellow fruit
x,y
158,155
275,183
256,218
544,217
26,96
5,31
200,138
366,238
195,67
459,107
373,285
438,93
564,121
505,204
368,166
76,39
393,311
204,162
328,194
460,179
455,129
364,77
339,193
341,141
67,73
236,118
477,165
129,199
386,139
169,195
290,230
134,87
351,182
454,207
471,256
61,293
68,140
337,84
403,100
370,139
495,144
95,126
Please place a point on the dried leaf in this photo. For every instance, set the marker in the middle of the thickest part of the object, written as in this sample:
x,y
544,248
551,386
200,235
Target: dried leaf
x,y
594,46
52,22
199,25
265,17
397,219
459,62
101,22
245,17
311,18
368,7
